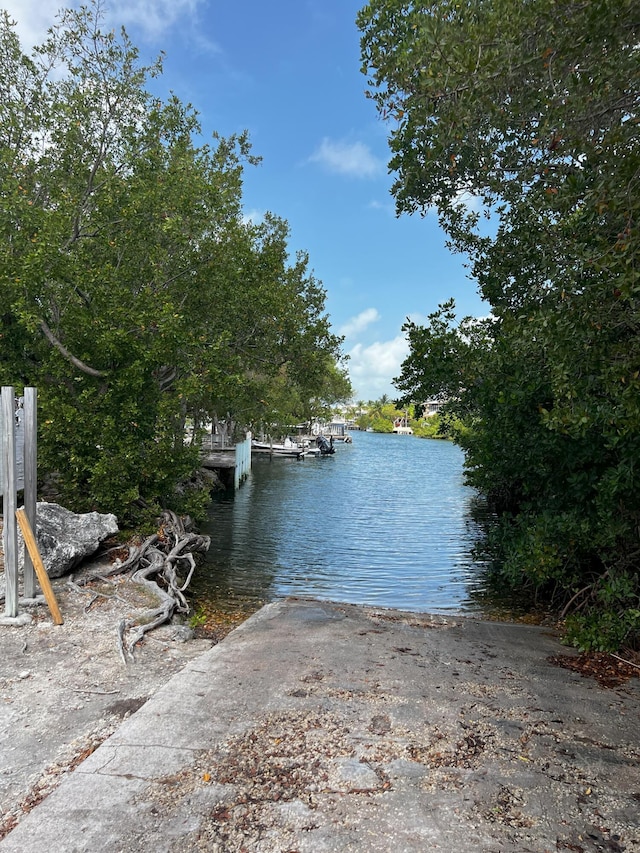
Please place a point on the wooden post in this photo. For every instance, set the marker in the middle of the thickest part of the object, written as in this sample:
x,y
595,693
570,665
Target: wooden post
x,y
38,565
9,531
243,461
30,479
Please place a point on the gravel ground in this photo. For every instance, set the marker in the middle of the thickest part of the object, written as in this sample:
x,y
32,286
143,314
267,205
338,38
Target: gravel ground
x,y
64,688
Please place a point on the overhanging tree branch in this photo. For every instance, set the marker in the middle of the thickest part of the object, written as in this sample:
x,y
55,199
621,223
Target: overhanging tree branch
x,y
90,371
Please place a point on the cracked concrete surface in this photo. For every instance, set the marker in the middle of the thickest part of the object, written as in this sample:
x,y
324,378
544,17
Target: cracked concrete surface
x,y
326,727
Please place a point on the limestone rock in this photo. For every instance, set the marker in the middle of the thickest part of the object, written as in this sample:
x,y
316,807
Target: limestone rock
x,y
65,538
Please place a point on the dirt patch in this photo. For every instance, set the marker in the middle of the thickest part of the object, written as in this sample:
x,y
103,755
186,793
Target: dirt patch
x,y
607,669
64,689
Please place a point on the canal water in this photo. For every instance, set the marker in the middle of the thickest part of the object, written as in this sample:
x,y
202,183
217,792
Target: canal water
x,y
386,521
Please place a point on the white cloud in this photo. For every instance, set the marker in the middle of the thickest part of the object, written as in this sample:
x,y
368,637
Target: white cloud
x,y
372,368
463,198
347,158
359,323
253,216
33,19
471,202
386,207
152,18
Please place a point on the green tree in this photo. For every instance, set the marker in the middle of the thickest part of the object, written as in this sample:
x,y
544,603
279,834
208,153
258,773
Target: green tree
x,y
380,415
133,293
533,111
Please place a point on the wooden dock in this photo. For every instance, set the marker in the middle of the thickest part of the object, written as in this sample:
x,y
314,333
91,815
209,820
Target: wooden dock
x,y
232,462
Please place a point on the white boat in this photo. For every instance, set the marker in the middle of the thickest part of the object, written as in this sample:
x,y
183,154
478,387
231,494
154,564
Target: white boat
x,y
287,448
401,426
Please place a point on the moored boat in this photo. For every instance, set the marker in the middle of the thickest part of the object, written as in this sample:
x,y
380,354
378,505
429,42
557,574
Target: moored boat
x,y
287,448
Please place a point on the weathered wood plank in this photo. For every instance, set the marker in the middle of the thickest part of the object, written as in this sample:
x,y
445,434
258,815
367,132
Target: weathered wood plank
x,y
38,565
9,529
30,478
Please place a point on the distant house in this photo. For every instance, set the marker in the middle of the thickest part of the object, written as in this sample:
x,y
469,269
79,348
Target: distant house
x,y
337,428
432,407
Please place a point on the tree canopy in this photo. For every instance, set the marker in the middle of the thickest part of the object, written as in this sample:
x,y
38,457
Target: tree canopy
x,y
529,113
135,295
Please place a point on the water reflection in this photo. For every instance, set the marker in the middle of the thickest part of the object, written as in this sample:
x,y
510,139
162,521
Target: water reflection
x,y
385,521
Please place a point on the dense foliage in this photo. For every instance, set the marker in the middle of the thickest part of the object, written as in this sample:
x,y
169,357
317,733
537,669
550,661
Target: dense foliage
x,y
382,415
134,294
530,112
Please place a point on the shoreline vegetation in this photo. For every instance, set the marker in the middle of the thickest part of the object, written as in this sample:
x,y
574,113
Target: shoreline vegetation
x,y
123,224
383,414
534,189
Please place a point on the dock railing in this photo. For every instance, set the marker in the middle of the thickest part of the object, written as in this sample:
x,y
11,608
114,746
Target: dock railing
x,y
216,441
219,453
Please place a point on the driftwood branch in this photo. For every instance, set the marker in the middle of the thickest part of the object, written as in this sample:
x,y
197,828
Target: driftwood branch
x,y
155,565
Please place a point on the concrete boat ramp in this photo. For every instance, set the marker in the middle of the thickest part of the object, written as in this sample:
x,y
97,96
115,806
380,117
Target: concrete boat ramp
x,y
325,727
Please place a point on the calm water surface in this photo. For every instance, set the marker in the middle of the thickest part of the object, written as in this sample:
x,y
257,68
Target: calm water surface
x,y
384,521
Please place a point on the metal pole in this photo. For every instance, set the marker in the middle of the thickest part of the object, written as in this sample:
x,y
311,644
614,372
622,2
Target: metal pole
x,y
30,480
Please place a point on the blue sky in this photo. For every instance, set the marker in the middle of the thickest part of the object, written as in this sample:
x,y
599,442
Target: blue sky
x,y
288,71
